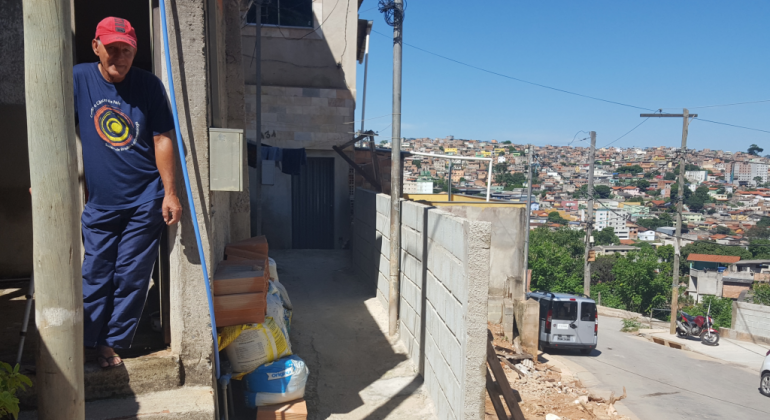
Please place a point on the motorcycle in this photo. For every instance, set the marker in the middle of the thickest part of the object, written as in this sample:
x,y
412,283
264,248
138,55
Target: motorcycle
x,y
697,326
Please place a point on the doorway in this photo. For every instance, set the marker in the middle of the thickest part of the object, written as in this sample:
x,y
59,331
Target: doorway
x,y
312,205
153,332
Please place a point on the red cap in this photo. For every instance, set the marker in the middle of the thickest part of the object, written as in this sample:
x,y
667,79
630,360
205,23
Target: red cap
x,y
113,29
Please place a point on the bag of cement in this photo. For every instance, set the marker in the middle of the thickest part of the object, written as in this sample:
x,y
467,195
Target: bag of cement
x,y
276,311
254,345
273,269
277,306
275,383
277,287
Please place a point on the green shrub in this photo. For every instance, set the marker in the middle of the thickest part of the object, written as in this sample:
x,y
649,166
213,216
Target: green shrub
x,y
10,381
630,325
762,294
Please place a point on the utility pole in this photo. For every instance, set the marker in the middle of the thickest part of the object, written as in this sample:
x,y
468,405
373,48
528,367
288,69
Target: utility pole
x,y
366,74
527,215
394,294
685,115
55,208
590,218
256,209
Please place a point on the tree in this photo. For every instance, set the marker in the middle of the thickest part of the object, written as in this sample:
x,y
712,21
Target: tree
x,y
722,230
721,190
755,150
643,184
462,180
555,217
760,248
507,142
502,153
417,163
634,169
635,200
640,281
758,232
601,269
606,236
500,168
758,179
669,176
441,148
602,191
764,221
511,149
556,260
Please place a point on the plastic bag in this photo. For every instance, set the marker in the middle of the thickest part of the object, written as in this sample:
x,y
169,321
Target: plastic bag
x,y
273,269
251,345
275,383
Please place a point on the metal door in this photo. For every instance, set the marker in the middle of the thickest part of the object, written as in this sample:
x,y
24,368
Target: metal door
x,y
587,323
312,205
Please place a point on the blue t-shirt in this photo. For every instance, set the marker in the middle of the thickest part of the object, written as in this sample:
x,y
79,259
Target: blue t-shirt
x,y
117,124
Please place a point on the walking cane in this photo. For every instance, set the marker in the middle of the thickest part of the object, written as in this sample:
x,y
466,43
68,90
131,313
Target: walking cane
x,y
27,310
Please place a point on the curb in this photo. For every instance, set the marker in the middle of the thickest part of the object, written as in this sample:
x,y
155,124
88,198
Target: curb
x,y
665,342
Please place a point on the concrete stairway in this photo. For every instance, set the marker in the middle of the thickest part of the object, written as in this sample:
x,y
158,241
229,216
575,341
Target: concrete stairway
x,y
147,387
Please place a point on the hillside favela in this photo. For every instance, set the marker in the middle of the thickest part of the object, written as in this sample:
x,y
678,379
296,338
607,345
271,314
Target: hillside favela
x,y
384,210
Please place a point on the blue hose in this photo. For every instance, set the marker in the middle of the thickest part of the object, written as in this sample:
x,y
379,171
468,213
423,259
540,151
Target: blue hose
x,y
193,213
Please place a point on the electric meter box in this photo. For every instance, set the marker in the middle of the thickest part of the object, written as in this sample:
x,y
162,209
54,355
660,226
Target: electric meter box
x,y
225,159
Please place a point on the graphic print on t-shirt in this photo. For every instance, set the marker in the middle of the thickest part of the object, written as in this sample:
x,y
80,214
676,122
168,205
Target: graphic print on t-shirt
x,y
114,127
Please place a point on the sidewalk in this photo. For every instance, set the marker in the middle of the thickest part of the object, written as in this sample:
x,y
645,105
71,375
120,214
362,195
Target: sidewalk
x,y
740,353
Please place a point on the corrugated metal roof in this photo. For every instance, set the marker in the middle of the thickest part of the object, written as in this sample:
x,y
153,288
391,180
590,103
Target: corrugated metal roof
x,y
724,259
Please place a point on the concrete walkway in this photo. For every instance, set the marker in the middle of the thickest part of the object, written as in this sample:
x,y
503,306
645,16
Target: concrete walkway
x,y
340,329
741,353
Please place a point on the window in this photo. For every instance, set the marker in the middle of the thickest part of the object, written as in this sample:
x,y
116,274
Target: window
x,y
284,13
587,311
564,311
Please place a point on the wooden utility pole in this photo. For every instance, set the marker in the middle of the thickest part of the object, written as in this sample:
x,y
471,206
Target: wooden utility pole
x,y
590,217
394,294
685,115
55,208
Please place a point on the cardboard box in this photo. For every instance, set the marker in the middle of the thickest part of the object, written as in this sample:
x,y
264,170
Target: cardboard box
x,y
257,245
293,410
243,308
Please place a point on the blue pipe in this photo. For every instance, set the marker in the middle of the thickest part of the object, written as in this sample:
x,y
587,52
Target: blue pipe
x,y
180,146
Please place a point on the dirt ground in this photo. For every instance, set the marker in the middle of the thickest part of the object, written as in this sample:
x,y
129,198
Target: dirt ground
x,y
546,389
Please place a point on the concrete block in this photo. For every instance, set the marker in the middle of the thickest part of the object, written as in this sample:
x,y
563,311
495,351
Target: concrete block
x,y
454,316
412,268
411,241
383,224
384,266
311,92
383,204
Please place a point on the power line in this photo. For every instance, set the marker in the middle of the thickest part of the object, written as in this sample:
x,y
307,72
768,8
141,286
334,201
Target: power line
x,y
722,105
628,132
732,125
520,80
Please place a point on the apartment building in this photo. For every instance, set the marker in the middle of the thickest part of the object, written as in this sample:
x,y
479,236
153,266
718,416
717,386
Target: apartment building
x,y
613,218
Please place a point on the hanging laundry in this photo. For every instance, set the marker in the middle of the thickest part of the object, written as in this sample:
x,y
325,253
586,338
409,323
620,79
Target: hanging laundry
x,y
292,161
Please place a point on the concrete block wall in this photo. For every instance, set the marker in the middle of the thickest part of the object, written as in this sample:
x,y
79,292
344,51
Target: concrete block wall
x,y
445,270
752,319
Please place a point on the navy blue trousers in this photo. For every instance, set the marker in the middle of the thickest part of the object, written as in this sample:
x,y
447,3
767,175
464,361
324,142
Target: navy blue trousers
x,y
121,247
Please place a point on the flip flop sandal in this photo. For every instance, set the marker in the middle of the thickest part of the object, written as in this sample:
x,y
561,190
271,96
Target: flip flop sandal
x,y
107,360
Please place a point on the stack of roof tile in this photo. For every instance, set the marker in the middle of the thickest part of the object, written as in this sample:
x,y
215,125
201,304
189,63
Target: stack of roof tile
x,y
293,410
241,282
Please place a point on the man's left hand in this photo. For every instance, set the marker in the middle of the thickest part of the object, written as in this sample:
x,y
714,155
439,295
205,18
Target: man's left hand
x,y
172,210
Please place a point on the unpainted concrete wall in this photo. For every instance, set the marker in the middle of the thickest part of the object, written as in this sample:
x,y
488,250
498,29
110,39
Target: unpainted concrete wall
x,y
506,277
321,57
751,319
15,203
309,118
444,287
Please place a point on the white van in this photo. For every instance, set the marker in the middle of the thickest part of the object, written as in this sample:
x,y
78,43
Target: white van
x,y
567,321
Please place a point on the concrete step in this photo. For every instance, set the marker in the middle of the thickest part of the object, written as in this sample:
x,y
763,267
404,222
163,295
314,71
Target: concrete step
x,y
140,375
187,403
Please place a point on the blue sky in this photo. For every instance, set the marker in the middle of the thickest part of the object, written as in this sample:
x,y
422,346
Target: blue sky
x,y
651,54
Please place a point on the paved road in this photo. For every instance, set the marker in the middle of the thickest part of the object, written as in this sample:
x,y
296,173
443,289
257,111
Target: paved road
x,y
665,383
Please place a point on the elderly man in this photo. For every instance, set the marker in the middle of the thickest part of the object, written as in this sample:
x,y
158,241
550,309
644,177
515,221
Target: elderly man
x,y
124,121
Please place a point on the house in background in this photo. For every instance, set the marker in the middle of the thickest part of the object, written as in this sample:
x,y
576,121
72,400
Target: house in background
x,y
309,53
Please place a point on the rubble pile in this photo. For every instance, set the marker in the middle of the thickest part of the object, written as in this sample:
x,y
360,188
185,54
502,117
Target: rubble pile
x,y
548,393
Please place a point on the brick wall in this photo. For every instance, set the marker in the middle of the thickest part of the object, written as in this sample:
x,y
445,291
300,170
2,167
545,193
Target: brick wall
x,y
445,262
751,319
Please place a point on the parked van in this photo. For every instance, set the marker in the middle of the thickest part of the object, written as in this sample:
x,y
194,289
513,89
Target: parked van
x,y
567,321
